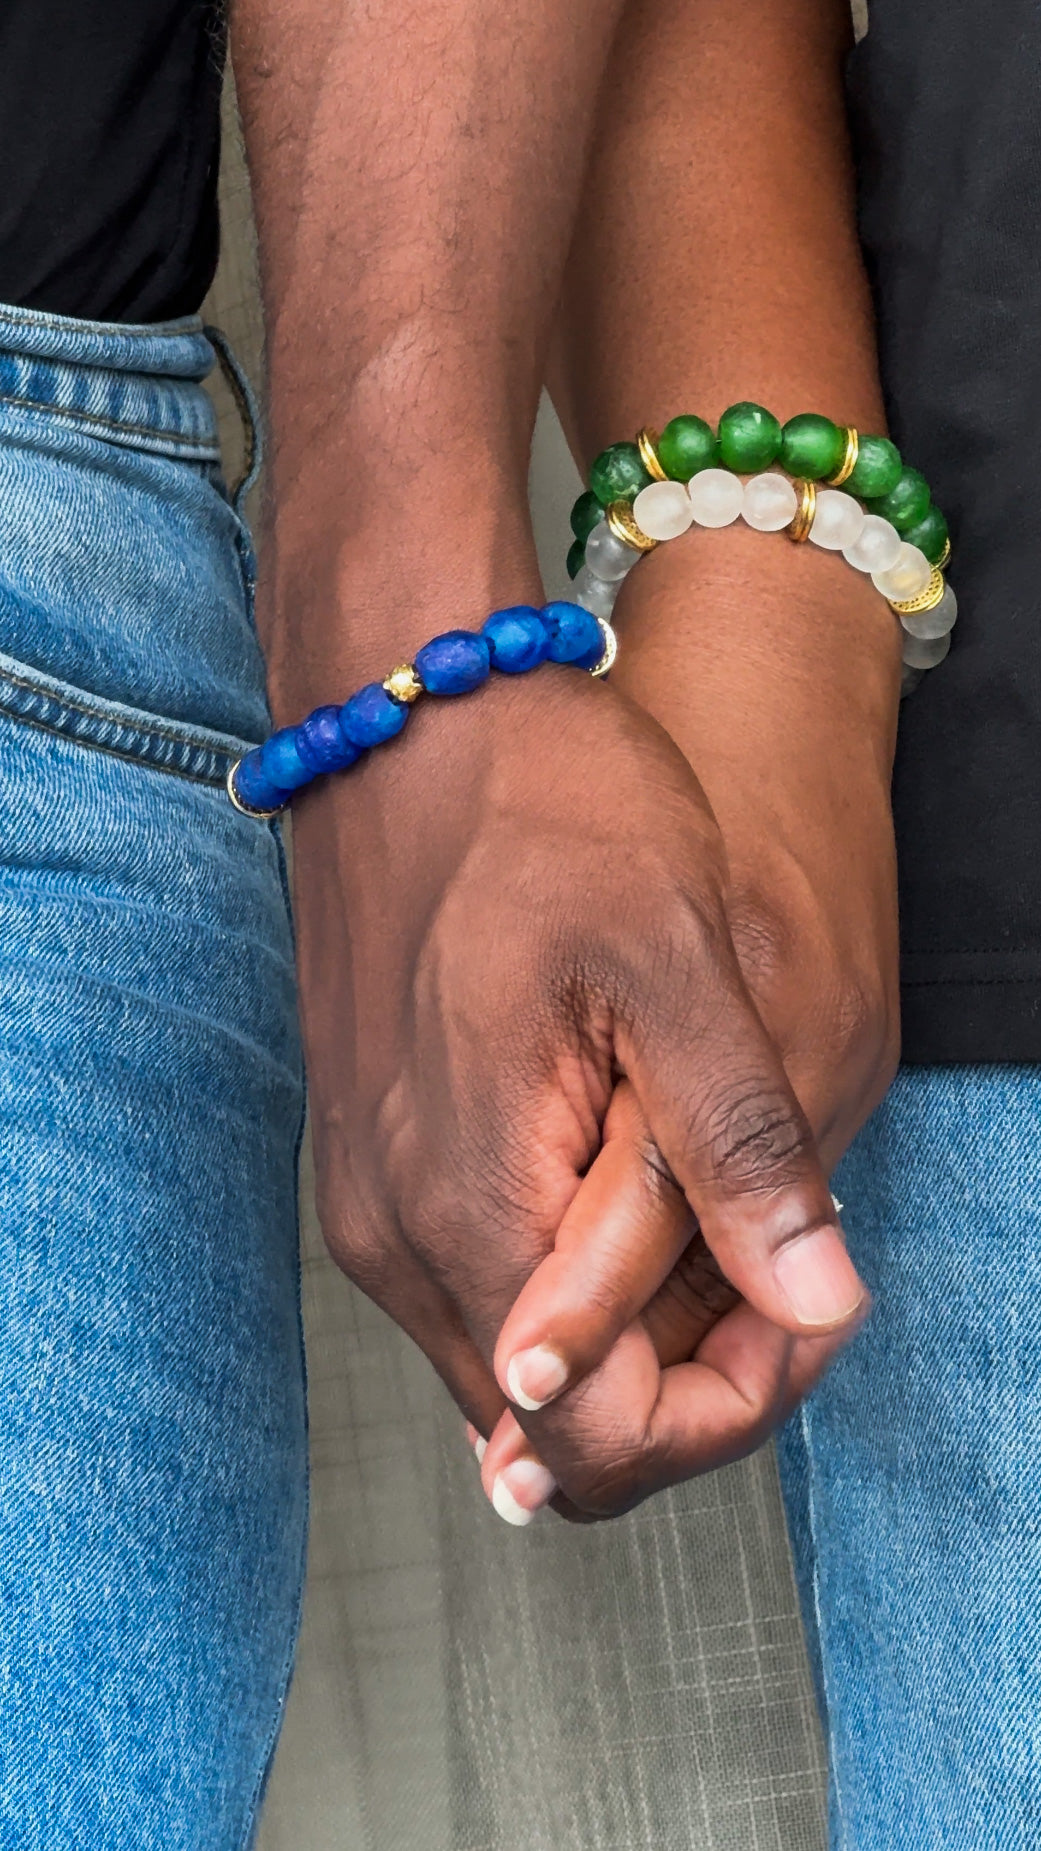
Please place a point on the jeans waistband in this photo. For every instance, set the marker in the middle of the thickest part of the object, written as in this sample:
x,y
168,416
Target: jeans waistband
x,y
141,385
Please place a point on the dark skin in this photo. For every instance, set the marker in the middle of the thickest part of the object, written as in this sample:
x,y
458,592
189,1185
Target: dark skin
x,y
596,980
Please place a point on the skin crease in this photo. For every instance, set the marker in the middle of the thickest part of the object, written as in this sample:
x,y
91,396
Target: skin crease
x,y
531,931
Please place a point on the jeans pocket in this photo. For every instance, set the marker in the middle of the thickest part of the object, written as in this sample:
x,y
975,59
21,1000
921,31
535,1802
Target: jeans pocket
x,y
196,753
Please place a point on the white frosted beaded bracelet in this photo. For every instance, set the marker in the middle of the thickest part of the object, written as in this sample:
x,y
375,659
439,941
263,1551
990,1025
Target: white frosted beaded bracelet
x,y
771,503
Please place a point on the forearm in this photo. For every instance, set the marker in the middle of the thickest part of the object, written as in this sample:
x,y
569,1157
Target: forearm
x,y
416,172
717,260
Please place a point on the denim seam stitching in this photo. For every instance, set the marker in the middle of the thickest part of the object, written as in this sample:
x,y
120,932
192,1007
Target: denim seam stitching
x,y
132,331
92,712
215,780
208,444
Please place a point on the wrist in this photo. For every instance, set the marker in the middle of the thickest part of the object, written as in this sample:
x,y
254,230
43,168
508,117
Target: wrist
x,y
345,593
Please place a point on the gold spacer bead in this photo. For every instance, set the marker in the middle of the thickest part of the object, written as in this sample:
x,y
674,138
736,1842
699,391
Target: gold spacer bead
x,y
259,816
607,660
622,522
647,442
926,600
945,557
849,460
799,530
403,684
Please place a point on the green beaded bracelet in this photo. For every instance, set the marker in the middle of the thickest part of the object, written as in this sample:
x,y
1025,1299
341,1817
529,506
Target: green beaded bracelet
x,y
749,439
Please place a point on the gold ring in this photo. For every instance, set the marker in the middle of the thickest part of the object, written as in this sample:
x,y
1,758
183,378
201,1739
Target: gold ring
x,y
926,600
607,660
647,442
945,557
260,816
622,522
799,530
849,460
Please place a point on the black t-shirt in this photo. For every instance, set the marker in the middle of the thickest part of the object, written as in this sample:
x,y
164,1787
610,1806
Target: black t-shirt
x,y
109,132
109,149
946,106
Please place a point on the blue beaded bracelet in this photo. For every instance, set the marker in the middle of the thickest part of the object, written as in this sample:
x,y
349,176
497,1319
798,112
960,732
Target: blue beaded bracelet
x,y
331,738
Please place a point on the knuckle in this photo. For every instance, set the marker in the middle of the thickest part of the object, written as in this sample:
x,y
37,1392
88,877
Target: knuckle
x,y
604,1471
756,1138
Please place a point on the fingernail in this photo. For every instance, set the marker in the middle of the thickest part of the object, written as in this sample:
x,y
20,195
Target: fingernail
x,y
535,1376
838,1204
480,1448
818,1278
521,1489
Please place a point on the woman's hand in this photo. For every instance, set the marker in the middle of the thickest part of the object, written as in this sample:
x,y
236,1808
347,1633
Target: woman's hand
x,y
499,918
798,773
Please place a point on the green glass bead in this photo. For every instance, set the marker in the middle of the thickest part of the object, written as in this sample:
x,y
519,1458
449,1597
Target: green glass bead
x,y
584,516
907,503
618,474
686,446
576,558
749,438
812,447
877,470
929,535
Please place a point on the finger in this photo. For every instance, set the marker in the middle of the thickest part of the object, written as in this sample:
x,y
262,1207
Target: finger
x,y
631,1429
622,1233
389,1273
722,1111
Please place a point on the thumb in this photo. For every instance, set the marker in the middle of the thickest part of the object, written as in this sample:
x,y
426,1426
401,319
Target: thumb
x,y
721,1110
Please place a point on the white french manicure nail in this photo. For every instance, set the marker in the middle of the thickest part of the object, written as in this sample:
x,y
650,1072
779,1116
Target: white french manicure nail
x,y
838,1204
535,1376
521,1489
480,1448
507,1506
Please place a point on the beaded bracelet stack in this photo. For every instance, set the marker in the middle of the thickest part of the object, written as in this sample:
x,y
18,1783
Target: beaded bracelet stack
x,y
846,492
332,738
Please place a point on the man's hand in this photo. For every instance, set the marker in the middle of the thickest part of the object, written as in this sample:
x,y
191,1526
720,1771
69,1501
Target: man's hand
x,y
474,988
811,908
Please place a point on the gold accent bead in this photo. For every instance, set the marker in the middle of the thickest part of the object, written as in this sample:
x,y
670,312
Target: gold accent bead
x,y
945,557
259,816
799,530
403,684
647,442
849,460
926,600
622,522
607,660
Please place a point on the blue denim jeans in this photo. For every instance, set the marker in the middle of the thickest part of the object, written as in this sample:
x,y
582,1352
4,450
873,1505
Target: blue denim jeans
x,y
913,1477
152,1426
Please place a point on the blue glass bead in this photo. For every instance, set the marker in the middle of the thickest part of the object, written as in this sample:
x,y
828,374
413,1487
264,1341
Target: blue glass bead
x,y
281,763
575,635
321,743
454,663
255,788
518,639
370,716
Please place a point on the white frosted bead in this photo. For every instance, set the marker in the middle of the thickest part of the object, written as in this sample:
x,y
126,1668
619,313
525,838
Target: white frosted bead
x,y
876,547
769,503
607,555
925,652
594,594
837,520
909,679
929,624
662,510
716,497
906,577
